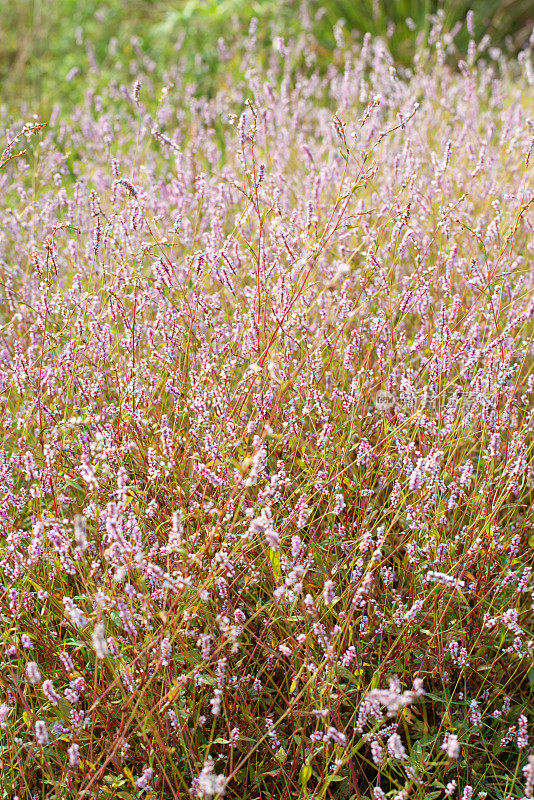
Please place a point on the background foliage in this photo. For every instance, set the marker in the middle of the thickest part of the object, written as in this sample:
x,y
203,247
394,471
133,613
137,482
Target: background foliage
x,y
51,50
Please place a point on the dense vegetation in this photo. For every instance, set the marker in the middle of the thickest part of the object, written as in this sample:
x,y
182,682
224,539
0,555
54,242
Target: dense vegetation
x,y
52,51
266,372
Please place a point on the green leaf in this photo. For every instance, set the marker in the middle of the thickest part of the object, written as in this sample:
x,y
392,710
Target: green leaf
x,y
375,680
417,751
351,676
305,774
274,558
429,739
281,755
335,779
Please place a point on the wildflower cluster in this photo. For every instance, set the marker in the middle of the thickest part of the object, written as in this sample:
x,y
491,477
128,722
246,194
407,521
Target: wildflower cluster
x,y
217,548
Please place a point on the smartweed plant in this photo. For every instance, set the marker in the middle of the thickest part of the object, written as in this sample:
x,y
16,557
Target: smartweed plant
x,y
227,569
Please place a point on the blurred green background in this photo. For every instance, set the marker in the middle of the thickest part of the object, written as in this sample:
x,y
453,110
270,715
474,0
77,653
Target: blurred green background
x,y
53,50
